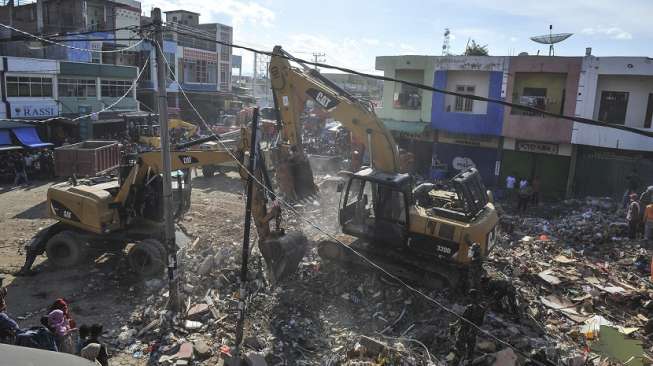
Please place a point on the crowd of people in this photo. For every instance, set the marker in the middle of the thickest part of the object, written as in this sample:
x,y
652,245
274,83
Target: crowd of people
x,y
20,167
56,332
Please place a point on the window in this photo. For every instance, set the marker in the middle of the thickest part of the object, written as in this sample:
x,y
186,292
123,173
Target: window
x,y
115,88
22,86
77,88
649,112
465,104
174,19
613,107
408,97
532,97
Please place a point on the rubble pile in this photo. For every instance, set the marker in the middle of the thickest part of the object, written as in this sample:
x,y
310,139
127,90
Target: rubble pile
x,y
573,289
578,276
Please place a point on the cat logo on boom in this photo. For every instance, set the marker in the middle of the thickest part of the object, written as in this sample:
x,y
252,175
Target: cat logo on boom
x,y
187,159
323,99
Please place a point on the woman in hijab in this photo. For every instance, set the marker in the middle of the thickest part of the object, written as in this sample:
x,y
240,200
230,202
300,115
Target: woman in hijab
x,y
61,304
59,325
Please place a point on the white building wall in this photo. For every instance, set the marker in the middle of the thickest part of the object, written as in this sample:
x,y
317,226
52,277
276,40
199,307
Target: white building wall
x,y
638,88
632,74
125,18
479,79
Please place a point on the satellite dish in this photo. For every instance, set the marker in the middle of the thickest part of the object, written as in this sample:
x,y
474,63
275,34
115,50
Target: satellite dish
x,y
551,39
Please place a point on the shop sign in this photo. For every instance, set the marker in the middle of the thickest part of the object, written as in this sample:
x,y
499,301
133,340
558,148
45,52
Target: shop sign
x,y
468,140
536,147
462,163
40,109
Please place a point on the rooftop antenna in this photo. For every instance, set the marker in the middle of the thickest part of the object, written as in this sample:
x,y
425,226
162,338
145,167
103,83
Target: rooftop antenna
x,y
445,43
551,39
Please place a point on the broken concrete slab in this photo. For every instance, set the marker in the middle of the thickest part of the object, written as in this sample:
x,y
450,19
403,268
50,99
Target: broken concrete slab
x,y
202,350
197,311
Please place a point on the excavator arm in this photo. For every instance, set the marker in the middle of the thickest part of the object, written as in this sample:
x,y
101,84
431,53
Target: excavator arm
x,y
282,251
293,86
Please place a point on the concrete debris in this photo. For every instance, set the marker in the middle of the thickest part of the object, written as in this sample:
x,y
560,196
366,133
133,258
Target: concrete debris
x,y
202,350
551,279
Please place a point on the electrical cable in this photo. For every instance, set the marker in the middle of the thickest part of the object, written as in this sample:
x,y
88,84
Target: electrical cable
x,y
134,83
331,236
433,89
71,47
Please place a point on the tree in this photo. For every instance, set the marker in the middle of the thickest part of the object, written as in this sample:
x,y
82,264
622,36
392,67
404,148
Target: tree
x,y
475,49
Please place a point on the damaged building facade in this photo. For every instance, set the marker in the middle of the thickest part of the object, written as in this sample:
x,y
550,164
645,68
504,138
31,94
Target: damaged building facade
x,y
500,141
202,66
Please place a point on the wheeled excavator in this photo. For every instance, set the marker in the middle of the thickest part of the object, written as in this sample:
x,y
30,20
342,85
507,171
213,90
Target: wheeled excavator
x,y
112,213
403,226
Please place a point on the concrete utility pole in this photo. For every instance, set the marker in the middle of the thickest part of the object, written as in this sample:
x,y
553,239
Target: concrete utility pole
x,y
169,228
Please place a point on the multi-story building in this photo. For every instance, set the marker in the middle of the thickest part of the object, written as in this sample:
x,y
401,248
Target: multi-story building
x,y
568,157
67,18
406,110
469,131
535,145
619,91
202,66
39,89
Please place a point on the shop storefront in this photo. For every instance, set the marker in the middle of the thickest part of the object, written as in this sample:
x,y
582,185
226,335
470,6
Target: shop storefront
x,y
604,172
547,161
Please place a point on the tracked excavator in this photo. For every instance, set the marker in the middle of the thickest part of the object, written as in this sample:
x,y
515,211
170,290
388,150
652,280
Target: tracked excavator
x,y
420,232
114,213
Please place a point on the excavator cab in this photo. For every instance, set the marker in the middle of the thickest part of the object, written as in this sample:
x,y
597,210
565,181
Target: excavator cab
x,y
374,206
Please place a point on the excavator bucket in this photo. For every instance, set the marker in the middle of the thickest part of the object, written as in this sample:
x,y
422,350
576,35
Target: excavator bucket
x,y
282,252
294,175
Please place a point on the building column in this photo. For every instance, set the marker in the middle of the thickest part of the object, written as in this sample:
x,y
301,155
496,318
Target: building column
x,y
572,172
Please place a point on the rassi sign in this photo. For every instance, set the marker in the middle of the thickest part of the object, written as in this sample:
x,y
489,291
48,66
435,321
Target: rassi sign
x,y
42,109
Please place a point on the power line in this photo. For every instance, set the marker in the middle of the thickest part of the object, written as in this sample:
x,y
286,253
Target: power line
x,y
436,90
331,236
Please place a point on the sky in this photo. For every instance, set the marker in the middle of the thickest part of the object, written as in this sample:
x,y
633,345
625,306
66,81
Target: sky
x,y
351,33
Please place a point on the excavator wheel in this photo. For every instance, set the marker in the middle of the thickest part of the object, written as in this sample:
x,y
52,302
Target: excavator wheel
x,y
65,249
282,253
147,258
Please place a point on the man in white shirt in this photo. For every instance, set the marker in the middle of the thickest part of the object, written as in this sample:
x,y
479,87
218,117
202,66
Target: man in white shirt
x,y
510,187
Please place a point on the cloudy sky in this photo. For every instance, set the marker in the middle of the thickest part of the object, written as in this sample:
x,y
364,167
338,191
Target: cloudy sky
x,y
352,32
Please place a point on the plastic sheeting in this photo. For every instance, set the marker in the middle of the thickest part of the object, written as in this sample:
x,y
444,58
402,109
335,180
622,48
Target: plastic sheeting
x,y
28,137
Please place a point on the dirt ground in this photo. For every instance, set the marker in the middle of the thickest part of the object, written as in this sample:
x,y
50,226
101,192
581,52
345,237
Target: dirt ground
x,y
102,290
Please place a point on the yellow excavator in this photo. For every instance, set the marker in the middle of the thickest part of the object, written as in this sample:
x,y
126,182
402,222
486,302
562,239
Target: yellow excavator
x,y
108,213
397,223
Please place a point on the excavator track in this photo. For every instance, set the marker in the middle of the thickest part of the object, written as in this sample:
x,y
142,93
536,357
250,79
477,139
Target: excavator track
x,y
406,266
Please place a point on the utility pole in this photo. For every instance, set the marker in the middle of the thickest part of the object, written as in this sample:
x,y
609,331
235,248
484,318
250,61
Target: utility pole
x,y
253,151
169,228
318,57
254,80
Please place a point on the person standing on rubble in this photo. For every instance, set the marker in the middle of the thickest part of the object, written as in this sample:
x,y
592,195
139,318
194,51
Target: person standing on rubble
x,y
510,187
466,331
633,216
648,222
525,193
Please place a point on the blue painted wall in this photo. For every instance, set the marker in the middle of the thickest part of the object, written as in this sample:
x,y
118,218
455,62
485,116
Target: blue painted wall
x,y
484,159
476,124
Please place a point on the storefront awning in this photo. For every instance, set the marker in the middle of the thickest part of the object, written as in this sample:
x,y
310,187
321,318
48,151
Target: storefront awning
x,y
413,128
28,137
